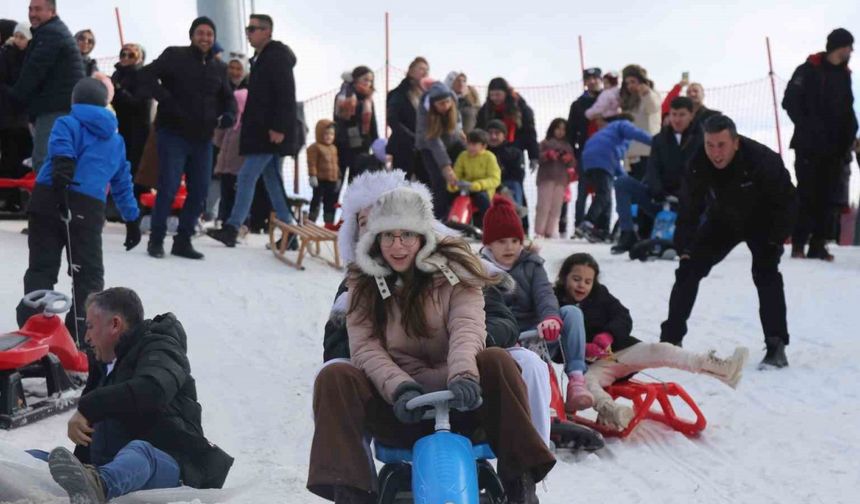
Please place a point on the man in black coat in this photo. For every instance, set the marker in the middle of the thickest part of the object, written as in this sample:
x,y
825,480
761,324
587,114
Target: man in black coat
x,y
820,102
268,127
52,67
735,190
194,97
138,424
671,150
579,129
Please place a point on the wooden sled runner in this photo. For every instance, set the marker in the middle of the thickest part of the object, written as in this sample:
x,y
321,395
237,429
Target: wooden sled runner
x,y
310,236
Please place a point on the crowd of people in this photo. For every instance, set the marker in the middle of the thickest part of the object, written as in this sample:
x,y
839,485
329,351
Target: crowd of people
x,y
419,310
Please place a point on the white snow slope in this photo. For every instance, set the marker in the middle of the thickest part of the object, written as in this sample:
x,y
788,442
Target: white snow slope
x,y
255,332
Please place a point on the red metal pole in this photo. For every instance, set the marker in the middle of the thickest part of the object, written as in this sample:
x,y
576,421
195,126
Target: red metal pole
x,y
773,92
119,26
581,60
387,68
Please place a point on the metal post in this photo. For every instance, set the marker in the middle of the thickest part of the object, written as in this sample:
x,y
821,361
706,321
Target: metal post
x,y
387,69
773,92
581,60
119,26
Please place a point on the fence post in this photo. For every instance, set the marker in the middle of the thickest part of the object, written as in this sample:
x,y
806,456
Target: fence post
x,y
119,26
581,61
387,69
773,92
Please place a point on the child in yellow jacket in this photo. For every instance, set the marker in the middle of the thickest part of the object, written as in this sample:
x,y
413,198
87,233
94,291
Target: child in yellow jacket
x,y
477,172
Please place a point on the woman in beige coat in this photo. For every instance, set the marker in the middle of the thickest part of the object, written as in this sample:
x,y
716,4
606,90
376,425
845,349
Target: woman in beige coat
x,y
416,325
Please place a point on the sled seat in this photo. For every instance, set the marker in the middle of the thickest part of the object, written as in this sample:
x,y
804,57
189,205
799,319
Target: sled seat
x,y
17,351
644,395
389,455
310,238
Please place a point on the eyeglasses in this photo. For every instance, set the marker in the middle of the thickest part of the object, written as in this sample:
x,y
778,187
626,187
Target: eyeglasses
x,y
126,54
252,28
407,238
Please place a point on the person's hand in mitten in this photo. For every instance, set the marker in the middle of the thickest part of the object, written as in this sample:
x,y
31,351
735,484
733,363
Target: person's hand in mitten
x,y
405,393
550,329
467,394
599,347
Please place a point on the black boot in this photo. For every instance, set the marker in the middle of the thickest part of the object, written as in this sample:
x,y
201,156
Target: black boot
x,y
182,247
775,355
155,248
226,235
625,242
797,251
521,490
818,250
349,495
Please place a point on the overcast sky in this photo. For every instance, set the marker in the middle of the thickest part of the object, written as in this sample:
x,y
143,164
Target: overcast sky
x,y
530,43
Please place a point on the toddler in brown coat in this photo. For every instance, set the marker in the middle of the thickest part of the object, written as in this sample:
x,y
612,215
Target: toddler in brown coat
x,y
323,172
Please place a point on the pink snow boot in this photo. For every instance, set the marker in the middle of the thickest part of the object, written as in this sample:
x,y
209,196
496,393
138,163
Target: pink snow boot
x,y
578,396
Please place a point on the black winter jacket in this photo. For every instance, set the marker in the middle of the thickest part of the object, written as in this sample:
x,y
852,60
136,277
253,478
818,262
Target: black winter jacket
x,y
577,123
511,160
401,119
271,102
669,160
502,329
132,112
603,312
193,92
753,193
820,102
11,64
152,394
52,67
526,135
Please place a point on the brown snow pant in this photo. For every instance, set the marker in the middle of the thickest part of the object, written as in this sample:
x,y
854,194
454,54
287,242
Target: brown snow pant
x,y
346,406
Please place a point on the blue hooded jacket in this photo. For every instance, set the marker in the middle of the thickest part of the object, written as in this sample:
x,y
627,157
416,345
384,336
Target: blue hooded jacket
x,y
89,136
606,148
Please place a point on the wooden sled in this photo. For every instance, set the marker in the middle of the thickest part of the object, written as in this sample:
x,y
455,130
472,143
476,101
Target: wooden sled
x,y
310,238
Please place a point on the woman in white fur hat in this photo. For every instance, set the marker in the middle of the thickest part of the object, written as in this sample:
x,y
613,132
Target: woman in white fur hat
x,y
416,324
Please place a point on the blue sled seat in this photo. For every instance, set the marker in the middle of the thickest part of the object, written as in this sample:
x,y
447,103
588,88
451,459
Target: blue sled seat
x,y
389,455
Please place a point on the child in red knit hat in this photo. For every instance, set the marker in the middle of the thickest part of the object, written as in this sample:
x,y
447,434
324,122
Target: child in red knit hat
x,y
533,301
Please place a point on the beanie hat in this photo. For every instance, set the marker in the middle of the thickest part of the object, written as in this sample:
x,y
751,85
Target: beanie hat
x,y
501,221
402,208
838,39
201,21
378,149
438,91
23,29
90,91
498,84
498,125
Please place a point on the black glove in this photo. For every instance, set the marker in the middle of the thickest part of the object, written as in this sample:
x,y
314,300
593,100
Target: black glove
x,y
64,171
226,121
405,393
132,235
467,394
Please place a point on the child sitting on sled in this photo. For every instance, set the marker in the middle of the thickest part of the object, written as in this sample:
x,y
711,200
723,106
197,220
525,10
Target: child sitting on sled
x,y
477,172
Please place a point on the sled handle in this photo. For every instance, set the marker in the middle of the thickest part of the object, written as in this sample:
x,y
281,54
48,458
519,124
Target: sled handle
x,y
48,299
440,402
527,335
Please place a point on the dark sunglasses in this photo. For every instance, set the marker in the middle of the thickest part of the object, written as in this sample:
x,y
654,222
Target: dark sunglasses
x,y
252,28
126,54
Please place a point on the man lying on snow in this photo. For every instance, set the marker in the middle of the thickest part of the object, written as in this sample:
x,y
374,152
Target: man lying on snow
x,y
138,422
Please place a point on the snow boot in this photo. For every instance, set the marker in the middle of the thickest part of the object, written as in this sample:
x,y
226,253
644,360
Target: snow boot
x,y
520,490
625,242
818,250
728,371
617,416
182,247
774,357
155,247
578,396
797,251
82,482
226,235
349,495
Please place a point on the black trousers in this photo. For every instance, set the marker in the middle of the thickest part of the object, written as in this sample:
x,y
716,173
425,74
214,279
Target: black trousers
x,y
326,193
47,241
713,243
818,180
601,204
438,186
228,196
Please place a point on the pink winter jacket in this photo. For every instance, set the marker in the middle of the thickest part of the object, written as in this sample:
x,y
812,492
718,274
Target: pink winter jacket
x,y
455,316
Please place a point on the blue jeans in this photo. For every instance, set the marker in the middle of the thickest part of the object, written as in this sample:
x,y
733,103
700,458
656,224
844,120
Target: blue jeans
x,y
139,466
629,191
269,166
516,188
176,156
572,340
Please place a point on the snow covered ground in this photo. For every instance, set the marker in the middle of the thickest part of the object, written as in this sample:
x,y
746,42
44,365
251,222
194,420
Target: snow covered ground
x,y
255,340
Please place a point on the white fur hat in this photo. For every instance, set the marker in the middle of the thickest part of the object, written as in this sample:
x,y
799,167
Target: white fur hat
x,y
362,193
403,208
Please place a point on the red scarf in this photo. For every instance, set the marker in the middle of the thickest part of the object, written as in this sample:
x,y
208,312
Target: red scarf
x,y
510,121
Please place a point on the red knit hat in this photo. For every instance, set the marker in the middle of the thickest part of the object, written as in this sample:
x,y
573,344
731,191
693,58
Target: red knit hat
x,y
501,221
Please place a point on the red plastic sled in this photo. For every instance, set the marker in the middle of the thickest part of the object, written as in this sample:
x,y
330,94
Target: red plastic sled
x,y
643,396
27,182
147,200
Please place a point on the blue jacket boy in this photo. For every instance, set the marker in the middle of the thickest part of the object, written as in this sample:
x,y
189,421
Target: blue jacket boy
x,y
606,148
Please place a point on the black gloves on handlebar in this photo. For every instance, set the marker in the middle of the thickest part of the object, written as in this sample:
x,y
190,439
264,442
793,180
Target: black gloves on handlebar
x,y
403,394
467,394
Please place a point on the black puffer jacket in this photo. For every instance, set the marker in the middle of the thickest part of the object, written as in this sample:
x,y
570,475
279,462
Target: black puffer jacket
x,y
52,67
132,112
511,161
271,102
753,193
820,102
11,64
151,394
668,161
577,123
193,92
603,312
402,116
